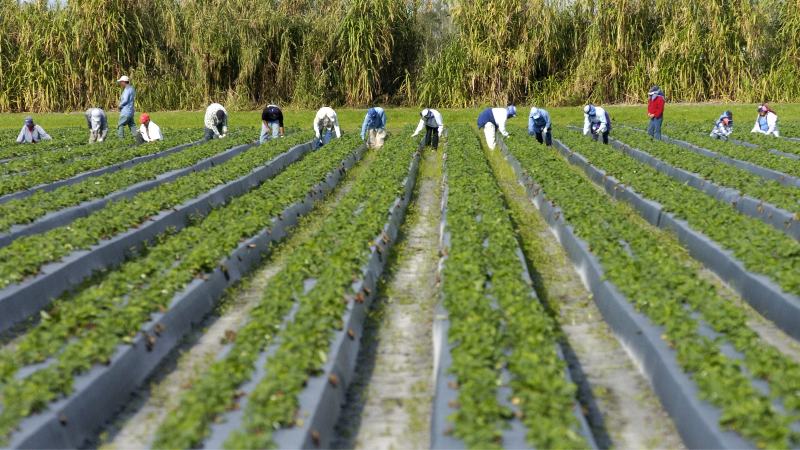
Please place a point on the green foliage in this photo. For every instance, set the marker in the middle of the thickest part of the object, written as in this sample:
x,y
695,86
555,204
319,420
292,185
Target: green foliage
x,y
638,263
86,328
770,191
24,256
496,323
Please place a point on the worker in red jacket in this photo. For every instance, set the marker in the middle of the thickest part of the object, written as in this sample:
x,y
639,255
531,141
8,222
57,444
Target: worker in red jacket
x,y
655,111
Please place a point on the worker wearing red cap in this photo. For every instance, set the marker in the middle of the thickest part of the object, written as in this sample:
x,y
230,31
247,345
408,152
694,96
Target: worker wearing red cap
x,y
148,131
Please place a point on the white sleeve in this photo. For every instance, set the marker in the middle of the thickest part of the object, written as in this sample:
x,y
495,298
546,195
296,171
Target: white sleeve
x,y
419,127
772,121
439,119
336,126
316,126
156,134
586,123
756,127
501,126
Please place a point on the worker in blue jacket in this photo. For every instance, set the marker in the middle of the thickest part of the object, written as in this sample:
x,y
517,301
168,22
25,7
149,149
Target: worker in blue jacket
x,y
539,125
493,120
375,122
126,107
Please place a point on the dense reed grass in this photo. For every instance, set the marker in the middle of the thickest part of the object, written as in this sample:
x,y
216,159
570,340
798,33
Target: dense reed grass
x,y
245,53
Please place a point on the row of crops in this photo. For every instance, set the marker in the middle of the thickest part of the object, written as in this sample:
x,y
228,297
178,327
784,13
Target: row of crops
x,y
103,272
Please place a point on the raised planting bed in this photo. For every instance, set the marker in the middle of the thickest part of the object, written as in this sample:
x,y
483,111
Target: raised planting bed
x,y
744,137
70,373
43,211
501,379
749,194
111,160
282,379
37,268
760,262
723,386
766,165
62,137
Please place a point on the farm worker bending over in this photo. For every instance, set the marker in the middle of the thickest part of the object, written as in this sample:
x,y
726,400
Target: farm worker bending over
x,y
216,122
596,120
432,121
148,132
271,119
723,127
494,119
31,134
125,107
375,122
327,120
97,122
655,111
766,122
539,125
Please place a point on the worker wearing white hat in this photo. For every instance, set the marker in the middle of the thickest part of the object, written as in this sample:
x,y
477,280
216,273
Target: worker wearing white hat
x,y
97,122
596,121
432,122
539,125
126,107
326,119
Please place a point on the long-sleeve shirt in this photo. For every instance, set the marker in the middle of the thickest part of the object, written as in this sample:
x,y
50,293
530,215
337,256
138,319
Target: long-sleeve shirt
x,y
434,122
770,122
656,107
326,118
378,122
27,136
211,121
126,101
102,124
720,129
271,114
541,124
151,133
496,116
599,119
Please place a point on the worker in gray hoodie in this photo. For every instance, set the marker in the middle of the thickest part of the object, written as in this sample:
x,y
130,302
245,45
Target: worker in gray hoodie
x,y
97,122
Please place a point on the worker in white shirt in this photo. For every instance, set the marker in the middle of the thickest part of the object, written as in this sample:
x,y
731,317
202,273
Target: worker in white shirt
x,y
493,120
596,121
148,131
97,122
327,120
432,121
766,121
216,122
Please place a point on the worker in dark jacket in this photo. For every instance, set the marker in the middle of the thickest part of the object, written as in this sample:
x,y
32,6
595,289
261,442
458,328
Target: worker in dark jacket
x,y
271,121
655,111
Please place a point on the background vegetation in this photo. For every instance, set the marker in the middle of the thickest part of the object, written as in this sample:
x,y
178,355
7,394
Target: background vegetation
x,y
245,53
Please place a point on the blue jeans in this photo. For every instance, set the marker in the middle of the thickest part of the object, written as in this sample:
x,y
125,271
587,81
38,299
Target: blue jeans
x,y
654,129
265,132
125,120
325,139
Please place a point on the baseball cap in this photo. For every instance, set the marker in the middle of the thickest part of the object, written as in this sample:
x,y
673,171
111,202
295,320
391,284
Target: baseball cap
x,y
511,111
535,113
144,118
372,113
28,120
124,78
96,113
589,109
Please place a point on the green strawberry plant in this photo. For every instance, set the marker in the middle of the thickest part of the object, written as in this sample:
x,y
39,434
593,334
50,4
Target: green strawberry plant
x,y
24,256
85,328
661,286
495,322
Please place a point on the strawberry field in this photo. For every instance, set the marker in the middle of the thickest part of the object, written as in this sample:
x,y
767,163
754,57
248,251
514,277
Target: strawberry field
x,y
280,263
